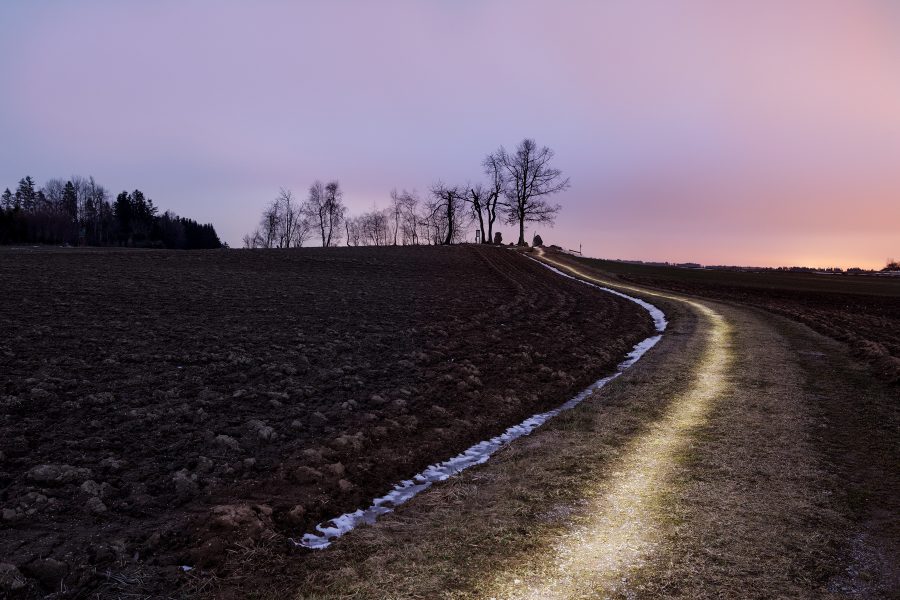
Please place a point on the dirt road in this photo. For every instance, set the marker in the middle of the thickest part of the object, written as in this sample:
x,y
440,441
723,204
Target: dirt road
x,y
745,456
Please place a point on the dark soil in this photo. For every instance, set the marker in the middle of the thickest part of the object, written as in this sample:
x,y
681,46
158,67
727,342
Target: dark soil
x,y
860,310
159,407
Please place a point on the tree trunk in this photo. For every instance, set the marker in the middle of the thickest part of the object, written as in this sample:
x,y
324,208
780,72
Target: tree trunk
x,y
449,220
481,225
521,241
492,215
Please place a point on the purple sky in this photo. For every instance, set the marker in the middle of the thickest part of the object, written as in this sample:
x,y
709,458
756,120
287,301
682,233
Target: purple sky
x,y
721,132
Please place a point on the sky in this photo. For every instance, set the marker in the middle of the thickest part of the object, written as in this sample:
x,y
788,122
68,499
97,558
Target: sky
x,y
755,133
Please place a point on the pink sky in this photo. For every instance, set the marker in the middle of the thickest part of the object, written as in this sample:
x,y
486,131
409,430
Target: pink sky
x,y
720,132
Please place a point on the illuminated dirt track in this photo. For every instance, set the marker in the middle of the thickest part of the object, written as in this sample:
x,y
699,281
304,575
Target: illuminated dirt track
x,y
622,521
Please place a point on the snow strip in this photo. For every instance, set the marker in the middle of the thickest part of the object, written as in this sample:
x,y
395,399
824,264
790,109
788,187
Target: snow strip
x,y
482,451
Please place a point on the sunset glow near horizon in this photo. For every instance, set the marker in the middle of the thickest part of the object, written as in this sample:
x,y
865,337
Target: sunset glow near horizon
x,y
763,133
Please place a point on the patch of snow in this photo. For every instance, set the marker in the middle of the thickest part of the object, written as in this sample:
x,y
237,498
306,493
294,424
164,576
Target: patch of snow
x,y
482,451
659,318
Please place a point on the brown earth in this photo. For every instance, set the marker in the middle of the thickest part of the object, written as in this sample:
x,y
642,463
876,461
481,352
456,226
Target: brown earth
x,y
159,407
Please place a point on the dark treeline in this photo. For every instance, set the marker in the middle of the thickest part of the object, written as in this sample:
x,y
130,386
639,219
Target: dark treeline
x,y
78,211
516,189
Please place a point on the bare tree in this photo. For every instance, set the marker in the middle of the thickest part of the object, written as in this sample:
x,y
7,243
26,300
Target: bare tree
x,y
475,197
354,231
250,240
287,218
529,181
292,227
374,227
410,224
92,210
268,226
493,168
337,211
396,215
447,212
432,223
55,191
325,209
316,210
404,212
349,225
282,225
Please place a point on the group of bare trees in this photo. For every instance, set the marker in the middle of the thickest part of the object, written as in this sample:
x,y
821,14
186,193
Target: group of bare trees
x,y
287,223
410,220
517,189
282,225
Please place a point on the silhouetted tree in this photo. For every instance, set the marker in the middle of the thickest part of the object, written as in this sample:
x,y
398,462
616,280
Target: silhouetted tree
x,y
26,194
268,226
70,201
284,224
476,196
493,168
529,181
404,210
373,228
95,213
396,214
352,230
122,213
447,213
292,228
142,216
324,207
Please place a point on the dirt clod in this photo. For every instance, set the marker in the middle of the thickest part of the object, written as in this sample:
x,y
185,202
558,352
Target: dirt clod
x,y
50,474
11,579
228,442
95,505
49,572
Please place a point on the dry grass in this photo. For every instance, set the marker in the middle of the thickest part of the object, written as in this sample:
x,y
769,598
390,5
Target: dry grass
x,y
625,520
752,500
